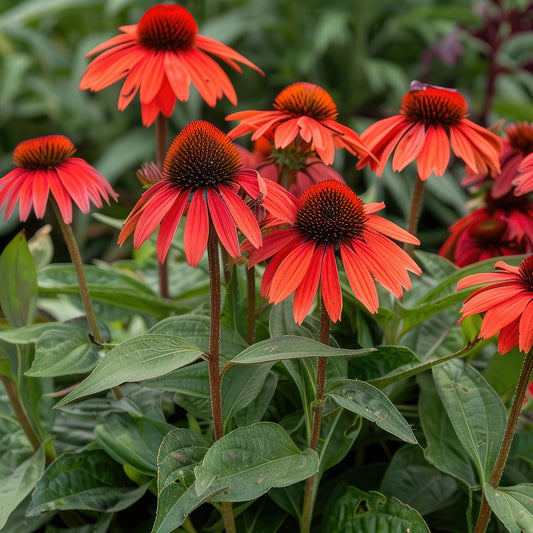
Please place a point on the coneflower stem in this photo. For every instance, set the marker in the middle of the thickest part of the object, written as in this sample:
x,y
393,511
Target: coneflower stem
x,y
414,212
310,488
160,151
70,240
250,319
518,400
213,356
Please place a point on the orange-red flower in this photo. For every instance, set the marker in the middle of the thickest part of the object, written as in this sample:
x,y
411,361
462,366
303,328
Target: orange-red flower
x,y
330,221
431,120
302,110
46,165
161,56
203,174
507,301
306,170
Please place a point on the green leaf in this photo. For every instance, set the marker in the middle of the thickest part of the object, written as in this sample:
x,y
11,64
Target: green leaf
x,y
195,328
18,289
476,412
17,479
86,480
512,505
131,440
136,359
355,511
366,400
255,411
249,461
385,361
289,347
419,484
30,334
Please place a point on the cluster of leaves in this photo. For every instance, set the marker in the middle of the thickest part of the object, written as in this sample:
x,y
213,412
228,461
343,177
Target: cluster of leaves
x,y
411,429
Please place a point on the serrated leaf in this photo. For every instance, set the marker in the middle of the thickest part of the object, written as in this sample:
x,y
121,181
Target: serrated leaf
x,y
512,505
18,290
136,359
249,461
369,402
17,479
86,480
476,412
290,347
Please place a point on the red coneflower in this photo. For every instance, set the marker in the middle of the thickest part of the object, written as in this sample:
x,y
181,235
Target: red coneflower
x,y
46,165
507,302
431,120
331,221
203,174
161,56
305,110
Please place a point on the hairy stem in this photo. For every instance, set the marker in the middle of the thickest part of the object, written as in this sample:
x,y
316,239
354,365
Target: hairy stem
x,y
160,151
310,487
414,212
514,413
214,356
70,240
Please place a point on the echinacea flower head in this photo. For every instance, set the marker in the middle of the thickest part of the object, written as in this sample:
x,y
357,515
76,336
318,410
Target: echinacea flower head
x,y
507,301
331,222
160,57
45,165
203,174
305,111
432,123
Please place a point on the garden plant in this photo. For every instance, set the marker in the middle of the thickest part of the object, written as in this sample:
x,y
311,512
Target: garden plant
x,y
266,266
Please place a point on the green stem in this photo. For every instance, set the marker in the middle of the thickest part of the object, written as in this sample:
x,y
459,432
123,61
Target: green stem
x,y
514,414
160,152
70,240
213,358
250,319
414,212
310,487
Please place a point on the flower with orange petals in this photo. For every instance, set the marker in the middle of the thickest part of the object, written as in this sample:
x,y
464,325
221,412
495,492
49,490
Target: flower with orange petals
x,y
431,120
203,174
46,165
507,301
302,111
331,221
160,57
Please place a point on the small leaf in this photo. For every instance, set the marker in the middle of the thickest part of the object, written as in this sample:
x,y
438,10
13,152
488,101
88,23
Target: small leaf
x,y
512,505
18,289
136,359
369,402
355,511
476,412
17,479
249,461
86,480
290,347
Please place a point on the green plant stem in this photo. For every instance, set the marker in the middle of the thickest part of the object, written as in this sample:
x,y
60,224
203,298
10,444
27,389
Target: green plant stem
x,y
250,319
523,382
414,212
160,152
213,358
70,240
310,487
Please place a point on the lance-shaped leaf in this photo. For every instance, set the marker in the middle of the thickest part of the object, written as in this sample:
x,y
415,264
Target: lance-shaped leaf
x,y
512,505
143,357
290,347
249,461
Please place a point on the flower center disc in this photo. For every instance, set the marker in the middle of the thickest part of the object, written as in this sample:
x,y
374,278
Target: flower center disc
x,y
43,152
201,156
520,137
167,28
330,212
434,106
526,270
306,99
488,231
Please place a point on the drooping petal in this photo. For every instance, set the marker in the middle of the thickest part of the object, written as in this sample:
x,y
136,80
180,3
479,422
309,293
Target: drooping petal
x,y
408,147
526,328
435,155
330,285
196,229
272,244
223,222
306,291
169,225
